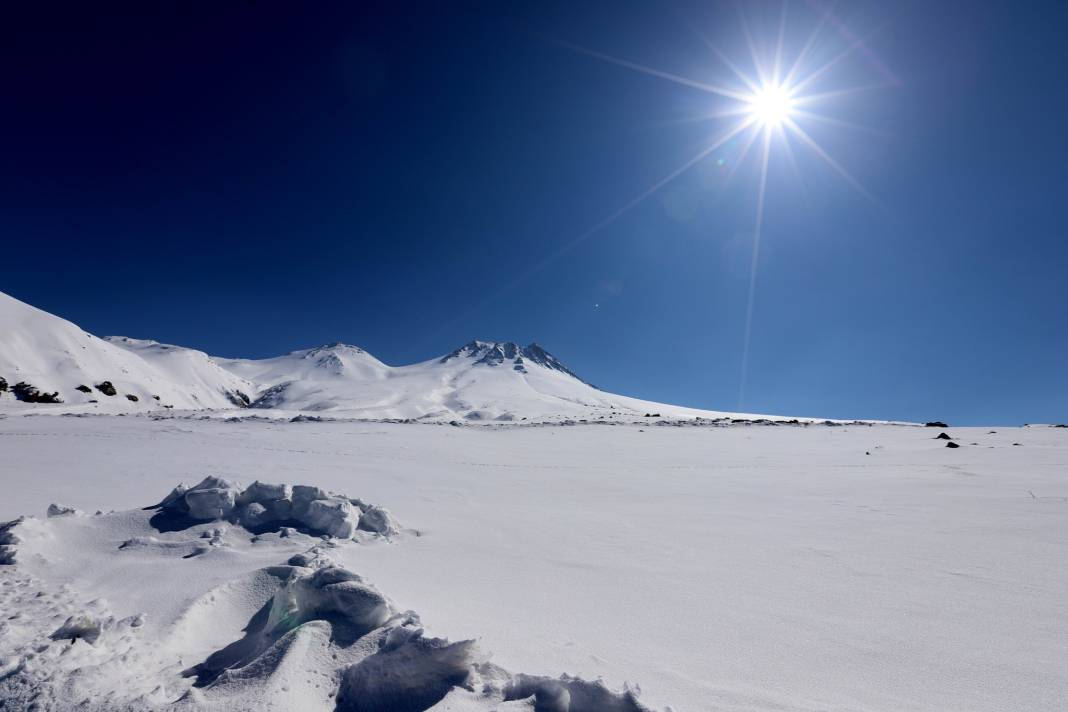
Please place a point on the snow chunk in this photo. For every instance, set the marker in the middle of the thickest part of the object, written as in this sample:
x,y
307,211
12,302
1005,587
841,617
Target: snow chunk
x,y
378,520
303,496
334,516
262,493
330,593
264,507
213,498
409,672
61,510
572,694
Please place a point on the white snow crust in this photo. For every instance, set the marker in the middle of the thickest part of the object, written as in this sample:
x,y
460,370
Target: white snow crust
x,y
734,567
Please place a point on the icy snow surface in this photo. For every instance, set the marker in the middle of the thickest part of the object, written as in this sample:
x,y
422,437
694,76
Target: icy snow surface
x,y
745,567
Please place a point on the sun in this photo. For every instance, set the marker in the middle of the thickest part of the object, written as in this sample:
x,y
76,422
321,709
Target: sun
x,y
771,105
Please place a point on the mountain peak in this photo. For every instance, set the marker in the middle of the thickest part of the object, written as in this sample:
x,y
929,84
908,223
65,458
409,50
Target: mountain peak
x,y
335,347
495,353
336,358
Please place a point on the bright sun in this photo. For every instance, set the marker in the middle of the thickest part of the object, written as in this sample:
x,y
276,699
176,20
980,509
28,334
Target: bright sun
x,y
771,105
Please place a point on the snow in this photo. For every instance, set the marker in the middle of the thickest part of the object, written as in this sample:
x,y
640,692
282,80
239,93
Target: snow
x,y
728,567
520,540
54,355
483,382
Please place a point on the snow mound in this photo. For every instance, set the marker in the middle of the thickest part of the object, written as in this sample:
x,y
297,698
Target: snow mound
x,y
263,507
409,671
235,630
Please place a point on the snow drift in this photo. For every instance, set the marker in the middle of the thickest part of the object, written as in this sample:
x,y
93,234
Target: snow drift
x,y
266,615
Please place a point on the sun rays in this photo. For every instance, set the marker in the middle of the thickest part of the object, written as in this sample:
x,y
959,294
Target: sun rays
x,y
770,108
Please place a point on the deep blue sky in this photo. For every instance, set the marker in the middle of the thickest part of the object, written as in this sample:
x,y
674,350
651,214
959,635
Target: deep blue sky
x,y
405,178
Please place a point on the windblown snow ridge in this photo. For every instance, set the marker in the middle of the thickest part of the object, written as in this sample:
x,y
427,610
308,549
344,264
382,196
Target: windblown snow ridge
x,y
233,598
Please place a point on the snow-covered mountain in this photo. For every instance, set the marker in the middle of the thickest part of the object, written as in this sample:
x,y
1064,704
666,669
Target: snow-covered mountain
x,y
482,381
46,358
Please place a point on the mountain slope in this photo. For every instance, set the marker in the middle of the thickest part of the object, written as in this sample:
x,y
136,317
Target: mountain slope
x,y
52,355
482,381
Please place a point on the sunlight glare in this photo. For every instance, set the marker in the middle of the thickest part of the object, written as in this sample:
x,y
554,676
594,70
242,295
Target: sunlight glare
x,y
771,106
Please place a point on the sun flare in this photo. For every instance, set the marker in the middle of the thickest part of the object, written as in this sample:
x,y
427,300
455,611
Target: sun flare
x,y
771,106
769,101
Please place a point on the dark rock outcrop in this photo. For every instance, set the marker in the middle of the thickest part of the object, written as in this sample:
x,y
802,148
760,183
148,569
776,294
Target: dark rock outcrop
x,y
107,388
935,424
132,397
494,353
27,393
84,389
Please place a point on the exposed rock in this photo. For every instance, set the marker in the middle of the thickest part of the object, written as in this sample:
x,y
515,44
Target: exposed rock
x,y
952,444
494,353
29,394
84,389
107,388
131,397
238,398
272,397
942,436
3,385
935,424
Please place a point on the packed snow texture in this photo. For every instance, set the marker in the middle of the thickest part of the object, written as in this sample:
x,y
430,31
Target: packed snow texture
x,y
309,634
738,568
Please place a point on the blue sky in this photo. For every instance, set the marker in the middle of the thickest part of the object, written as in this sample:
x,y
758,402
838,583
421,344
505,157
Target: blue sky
x,y
250,183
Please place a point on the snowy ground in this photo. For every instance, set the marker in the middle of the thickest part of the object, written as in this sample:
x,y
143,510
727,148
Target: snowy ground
x,y
728,568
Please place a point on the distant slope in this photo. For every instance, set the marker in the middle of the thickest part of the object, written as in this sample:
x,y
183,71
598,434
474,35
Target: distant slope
x,y
482,381
52,355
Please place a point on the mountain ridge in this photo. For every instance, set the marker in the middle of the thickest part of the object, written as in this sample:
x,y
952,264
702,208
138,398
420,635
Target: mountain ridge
x,y
481,381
